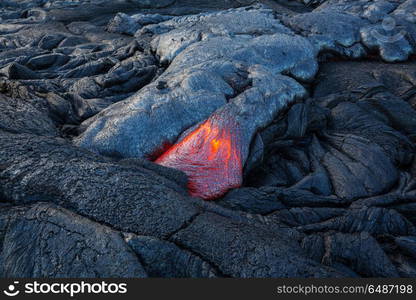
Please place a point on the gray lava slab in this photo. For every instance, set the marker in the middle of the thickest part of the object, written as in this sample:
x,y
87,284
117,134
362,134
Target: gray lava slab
x,y
43,240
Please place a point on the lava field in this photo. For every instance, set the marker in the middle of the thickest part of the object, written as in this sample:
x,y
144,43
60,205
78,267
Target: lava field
x,y
233,138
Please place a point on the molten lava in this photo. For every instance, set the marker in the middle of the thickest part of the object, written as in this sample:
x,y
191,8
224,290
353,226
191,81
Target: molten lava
x,y
210,156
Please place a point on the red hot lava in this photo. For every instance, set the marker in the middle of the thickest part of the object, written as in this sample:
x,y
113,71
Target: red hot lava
x,y
210,156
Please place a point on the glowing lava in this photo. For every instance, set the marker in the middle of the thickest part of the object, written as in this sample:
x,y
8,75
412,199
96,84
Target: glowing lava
x,y
210,156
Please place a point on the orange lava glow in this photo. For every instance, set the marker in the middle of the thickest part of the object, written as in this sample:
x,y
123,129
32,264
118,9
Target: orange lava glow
x,y
210,156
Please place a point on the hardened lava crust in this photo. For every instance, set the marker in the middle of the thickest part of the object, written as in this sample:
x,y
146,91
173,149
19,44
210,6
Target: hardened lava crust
x,y
233,138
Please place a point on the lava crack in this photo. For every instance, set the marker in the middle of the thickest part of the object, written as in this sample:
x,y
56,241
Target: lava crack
x,y
211,157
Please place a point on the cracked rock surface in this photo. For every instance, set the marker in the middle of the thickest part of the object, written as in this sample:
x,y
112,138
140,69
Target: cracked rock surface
x,y
321,97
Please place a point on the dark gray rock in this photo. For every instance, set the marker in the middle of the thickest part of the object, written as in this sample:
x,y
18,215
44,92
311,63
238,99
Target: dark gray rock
x,y
407,244
349,135
129,198
363,78
165,259
360,252
44,240
305,215
266,253
21,116
17,71
376,221
258,201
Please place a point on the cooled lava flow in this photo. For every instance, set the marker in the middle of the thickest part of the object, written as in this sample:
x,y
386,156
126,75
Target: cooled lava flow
x,y
211,157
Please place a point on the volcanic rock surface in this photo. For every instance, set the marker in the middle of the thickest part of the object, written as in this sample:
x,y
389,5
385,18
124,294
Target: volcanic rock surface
x,y
118,119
